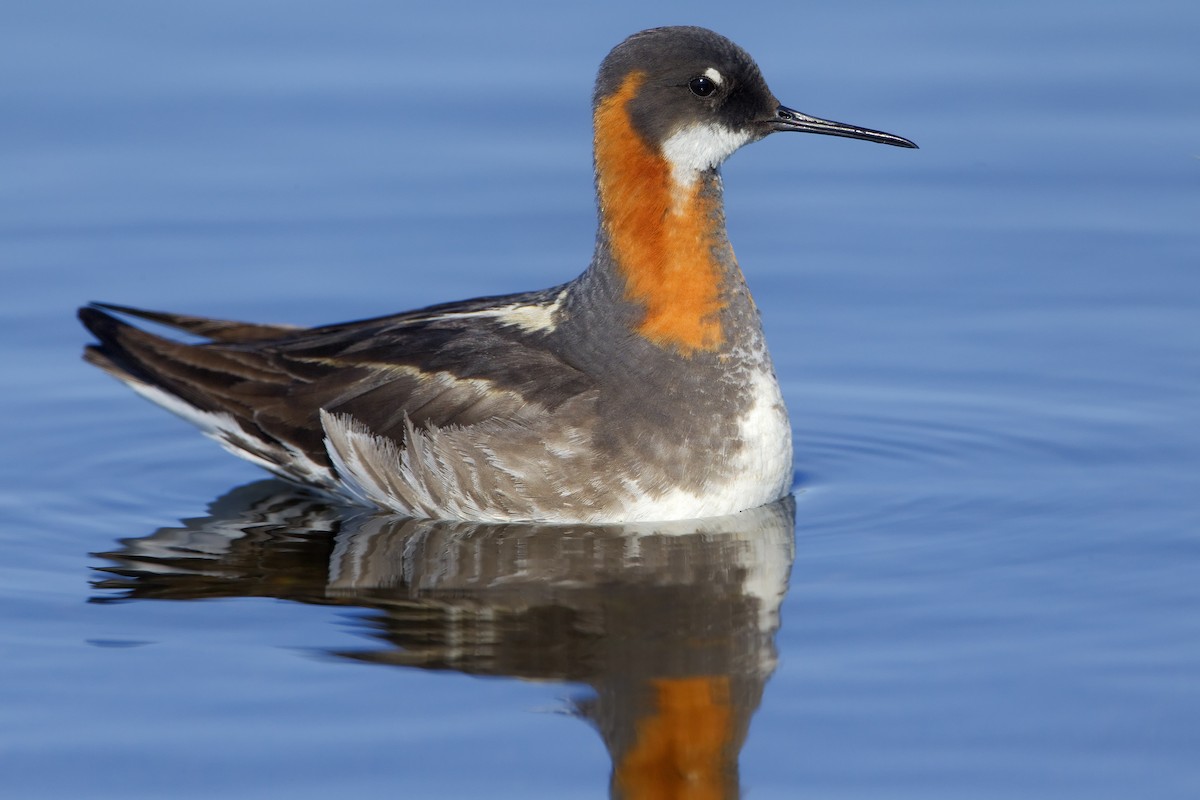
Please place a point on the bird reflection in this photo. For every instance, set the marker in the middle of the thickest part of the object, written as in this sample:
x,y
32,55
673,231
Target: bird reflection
x,y
672,625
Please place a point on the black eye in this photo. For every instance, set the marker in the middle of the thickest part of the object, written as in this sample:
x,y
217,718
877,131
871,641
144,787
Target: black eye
x,y
702,86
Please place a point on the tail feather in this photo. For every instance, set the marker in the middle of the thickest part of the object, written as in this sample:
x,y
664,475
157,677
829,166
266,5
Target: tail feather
x,y
215,330
132,354
238,396
110,354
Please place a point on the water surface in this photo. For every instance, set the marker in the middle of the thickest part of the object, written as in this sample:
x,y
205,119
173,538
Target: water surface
x,y
987,587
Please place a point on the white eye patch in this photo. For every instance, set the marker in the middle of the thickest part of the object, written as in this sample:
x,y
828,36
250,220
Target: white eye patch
x,y
713,75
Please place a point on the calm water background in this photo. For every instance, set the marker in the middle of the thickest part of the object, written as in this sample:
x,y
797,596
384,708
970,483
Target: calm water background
x,y
990,348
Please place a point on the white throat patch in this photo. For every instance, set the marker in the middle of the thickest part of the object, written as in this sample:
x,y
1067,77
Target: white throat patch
x,y
698,148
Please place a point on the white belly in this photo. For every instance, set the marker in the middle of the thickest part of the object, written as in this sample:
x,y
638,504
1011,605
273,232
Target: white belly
x,y
763,465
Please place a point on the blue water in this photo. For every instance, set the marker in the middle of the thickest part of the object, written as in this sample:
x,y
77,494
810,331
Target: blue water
x,y
990,348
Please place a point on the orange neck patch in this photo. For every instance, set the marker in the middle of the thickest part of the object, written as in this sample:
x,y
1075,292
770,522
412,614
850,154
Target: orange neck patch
x,y
662,234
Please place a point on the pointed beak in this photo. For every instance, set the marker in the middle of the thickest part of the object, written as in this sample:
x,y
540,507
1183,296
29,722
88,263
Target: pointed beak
x,y
787,119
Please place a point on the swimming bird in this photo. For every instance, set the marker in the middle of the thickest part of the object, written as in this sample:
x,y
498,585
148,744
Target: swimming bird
x,y
641,390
